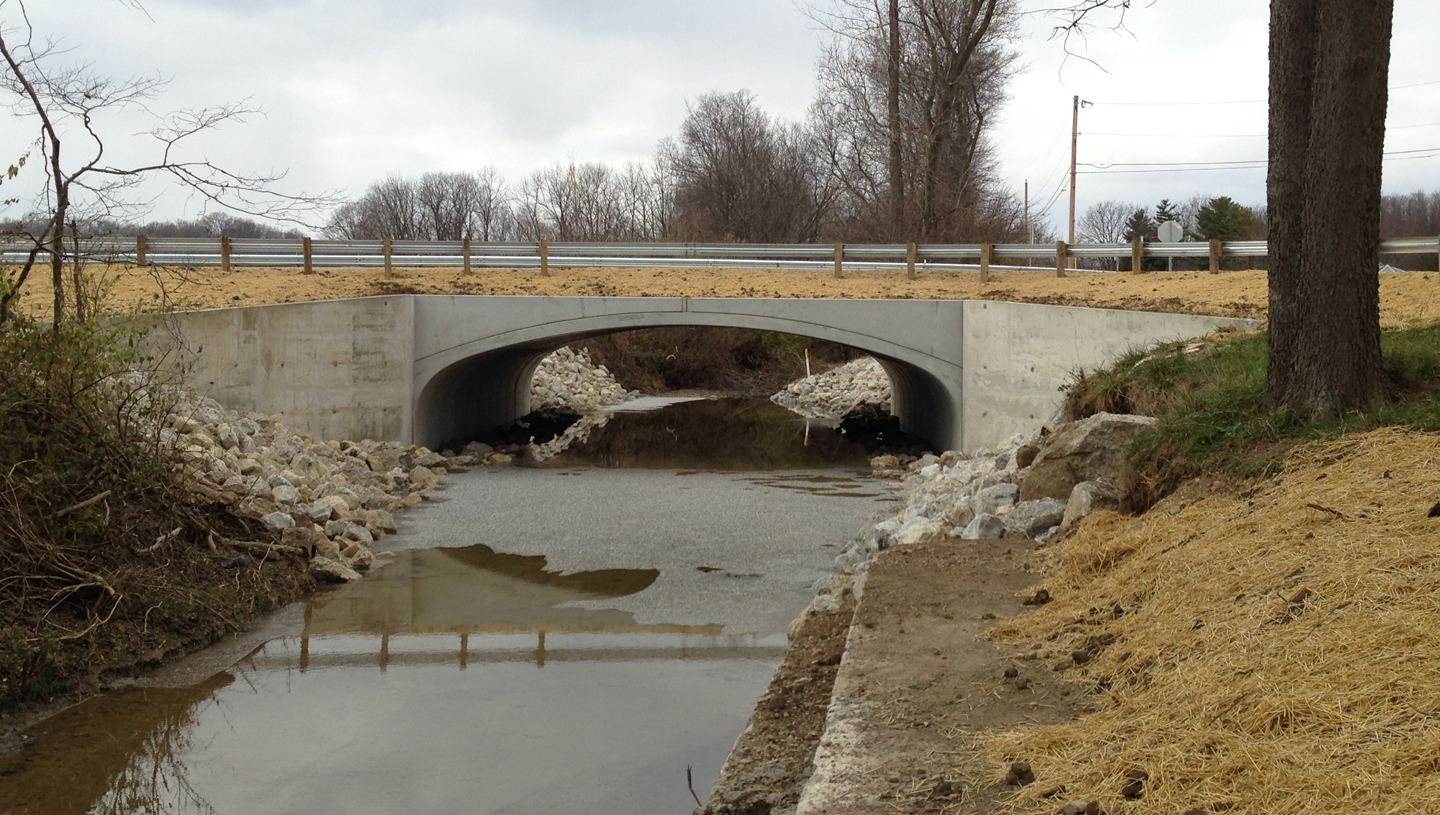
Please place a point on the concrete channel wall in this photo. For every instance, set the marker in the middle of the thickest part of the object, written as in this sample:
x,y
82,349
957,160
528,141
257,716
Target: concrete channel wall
x,y
428,368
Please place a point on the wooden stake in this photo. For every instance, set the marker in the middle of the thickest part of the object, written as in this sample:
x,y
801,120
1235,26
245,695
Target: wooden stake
x,y
839,259
466,248
544,257
1215,250
224,254
987,254
140,250
309,257
911,251
1137,256
1062,251
389,268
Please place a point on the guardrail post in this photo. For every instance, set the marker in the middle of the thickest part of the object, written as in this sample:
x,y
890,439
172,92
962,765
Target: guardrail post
x,y
839,259
1062,251
309,257
987,254
544,257
389,268
911,250
1215,249
224,254
1137,256
140,250
465,248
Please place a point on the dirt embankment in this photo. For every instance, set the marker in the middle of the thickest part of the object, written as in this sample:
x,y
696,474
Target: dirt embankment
x,y
1263,647
1407,299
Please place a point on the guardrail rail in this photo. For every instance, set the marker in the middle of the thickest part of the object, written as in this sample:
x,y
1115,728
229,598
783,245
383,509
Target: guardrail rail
x,y
310,254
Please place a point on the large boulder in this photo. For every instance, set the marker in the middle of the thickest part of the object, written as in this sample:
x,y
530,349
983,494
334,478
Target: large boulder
x,y
983,527
329,570
1087,497
991,499
1088,450
1034,518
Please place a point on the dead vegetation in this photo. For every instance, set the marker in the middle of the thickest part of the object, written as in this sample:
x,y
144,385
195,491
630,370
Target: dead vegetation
x,y
1269,650
107,562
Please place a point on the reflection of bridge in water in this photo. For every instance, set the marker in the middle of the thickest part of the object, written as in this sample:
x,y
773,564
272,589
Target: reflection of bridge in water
x,y
424,608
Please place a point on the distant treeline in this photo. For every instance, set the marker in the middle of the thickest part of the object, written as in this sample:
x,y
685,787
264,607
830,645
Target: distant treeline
x,y
213,225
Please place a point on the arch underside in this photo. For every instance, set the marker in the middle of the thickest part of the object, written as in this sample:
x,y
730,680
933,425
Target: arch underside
x,y
482,384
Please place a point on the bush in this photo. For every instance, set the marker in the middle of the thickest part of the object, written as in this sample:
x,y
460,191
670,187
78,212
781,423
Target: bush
x,y
91,576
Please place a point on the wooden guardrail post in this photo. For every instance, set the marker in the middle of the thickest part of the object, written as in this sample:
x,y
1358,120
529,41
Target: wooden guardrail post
x,y
1137,256
309,257
140,250
839,259
1062,257
911,250
1215,250
987,254
224,254
544,257
389,267
465,248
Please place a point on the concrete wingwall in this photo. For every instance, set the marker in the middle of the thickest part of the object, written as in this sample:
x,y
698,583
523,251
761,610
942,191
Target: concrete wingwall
x,y
339,369
429,368
1019,355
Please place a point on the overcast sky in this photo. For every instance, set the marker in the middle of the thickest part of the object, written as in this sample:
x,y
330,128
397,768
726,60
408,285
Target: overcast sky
x,y
355,89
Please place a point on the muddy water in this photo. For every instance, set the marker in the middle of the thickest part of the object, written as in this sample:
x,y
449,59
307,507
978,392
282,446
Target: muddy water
x,y
566,638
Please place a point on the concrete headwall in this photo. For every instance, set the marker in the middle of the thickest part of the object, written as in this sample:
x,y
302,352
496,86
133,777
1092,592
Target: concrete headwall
x,y
428,368
1019,355
340,369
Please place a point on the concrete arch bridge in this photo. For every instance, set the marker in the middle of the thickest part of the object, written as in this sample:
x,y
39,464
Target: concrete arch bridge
x,y
427,368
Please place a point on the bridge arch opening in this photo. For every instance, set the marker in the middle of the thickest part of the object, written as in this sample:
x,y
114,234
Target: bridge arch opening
x,y
489,384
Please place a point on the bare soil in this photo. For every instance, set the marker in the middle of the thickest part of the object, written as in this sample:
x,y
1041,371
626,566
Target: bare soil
x,y
1407,299
917,688
768,767
914,694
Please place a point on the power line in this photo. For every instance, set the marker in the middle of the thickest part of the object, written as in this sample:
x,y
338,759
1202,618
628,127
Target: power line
x,y
1226,135
1237,101
1194,167
1108,165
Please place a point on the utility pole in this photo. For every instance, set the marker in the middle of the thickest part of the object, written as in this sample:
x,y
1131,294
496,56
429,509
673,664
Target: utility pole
x,y
1074,160
1029,232
1074,157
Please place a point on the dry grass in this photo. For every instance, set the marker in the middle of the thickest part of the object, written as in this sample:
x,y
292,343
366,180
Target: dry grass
x,y
1277,650
1406,299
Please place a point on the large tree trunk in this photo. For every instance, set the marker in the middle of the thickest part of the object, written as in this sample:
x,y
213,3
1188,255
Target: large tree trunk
x,y
897,162
1329,68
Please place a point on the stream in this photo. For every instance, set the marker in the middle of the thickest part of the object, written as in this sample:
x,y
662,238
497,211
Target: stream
x,y
570,636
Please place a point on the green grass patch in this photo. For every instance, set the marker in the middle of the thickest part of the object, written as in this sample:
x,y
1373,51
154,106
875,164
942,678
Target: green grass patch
x,y
1210,399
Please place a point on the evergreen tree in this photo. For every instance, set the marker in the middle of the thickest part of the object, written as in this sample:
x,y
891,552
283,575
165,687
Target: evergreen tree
x,y
1141,227
1224,220
1165,211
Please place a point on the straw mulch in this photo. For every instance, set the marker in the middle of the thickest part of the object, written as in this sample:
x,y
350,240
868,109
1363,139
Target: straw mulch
x,y
1273,651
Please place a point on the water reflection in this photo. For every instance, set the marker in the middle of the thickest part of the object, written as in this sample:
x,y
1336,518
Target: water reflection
x,y
296,708
123,754
714,434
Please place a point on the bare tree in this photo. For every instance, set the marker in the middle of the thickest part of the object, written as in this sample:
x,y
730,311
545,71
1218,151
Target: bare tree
x,y
1106,222
1329,91
744,177
74,100
906,95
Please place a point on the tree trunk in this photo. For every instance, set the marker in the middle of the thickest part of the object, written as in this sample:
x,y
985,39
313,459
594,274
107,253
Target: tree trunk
x,y
1329,68
897,171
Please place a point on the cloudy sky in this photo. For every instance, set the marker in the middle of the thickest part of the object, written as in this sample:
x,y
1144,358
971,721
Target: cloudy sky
x,y
353,90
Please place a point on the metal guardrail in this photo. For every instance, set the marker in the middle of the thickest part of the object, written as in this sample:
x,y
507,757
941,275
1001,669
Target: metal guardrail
x,y
332,254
